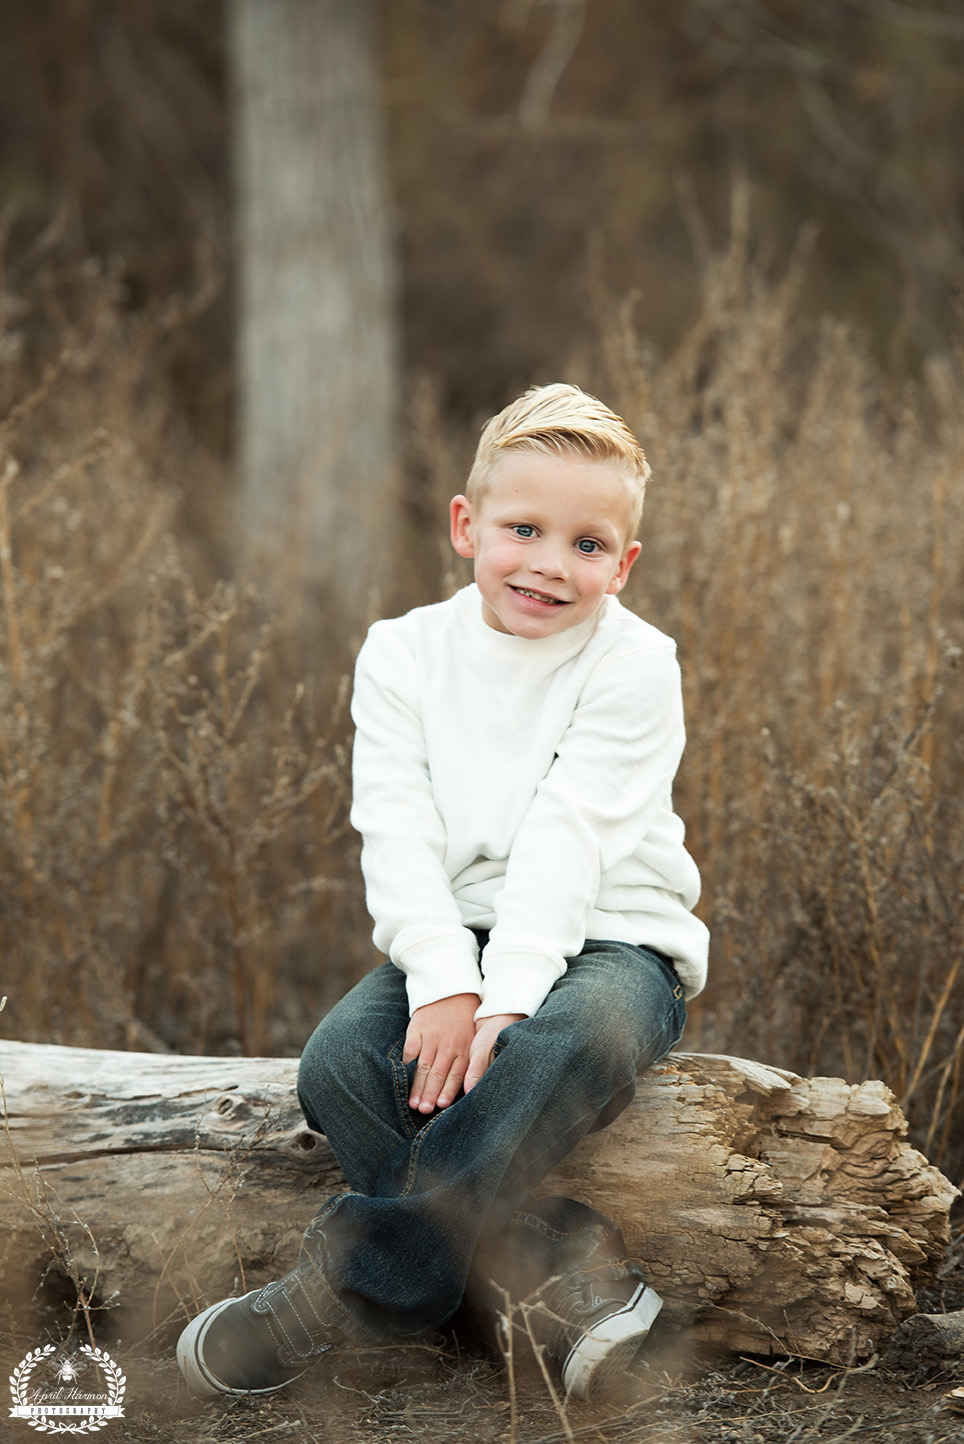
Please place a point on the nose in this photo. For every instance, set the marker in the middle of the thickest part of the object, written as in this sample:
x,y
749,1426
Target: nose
x,y
549,559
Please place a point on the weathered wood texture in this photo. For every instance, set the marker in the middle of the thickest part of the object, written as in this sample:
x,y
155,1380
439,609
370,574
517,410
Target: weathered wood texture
x,y
775,1214
925,1340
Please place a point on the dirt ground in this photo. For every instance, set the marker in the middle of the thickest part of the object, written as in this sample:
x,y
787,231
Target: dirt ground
x,y
439,1395
450,1388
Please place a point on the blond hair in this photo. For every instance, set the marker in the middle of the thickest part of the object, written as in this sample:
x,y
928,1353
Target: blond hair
x,y
560,420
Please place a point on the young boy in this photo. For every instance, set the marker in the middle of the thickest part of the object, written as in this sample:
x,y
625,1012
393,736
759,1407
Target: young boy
x,y
514,758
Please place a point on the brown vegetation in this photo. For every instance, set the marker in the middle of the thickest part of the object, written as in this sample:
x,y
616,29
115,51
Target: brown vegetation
x,y
173,771
176,869
517,131
176,865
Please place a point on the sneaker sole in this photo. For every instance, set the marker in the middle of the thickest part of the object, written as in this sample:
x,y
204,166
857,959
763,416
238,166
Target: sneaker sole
x,y
190,1359
607,1350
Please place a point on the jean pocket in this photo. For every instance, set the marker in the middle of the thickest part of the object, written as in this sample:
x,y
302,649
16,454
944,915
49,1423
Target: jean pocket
x,y
404,1075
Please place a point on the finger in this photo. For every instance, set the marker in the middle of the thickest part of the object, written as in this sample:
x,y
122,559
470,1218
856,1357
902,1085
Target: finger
x,y
420,1078
453,1083
413,1043
480,1056
433,1083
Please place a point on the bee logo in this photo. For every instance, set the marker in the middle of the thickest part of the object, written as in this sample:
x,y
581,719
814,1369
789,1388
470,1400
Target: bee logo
x,y
49,1410
69,1370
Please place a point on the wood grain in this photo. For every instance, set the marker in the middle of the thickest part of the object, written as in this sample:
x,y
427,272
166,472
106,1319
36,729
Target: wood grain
x,y
775,1214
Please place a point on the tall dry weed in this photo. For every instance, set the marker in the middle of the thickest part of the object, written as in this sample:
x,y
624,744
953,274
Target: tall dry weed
x,y
804,541
170,777
175,862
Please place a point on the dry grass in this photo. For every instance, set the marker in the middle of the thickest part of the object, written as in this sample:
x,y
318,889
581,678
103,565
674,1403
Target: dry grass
x,y
175,865
172,776
805,544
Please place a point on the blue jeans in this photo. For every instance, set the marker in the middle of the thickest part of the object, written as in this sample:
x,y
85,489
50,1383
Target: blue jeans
x,y
396,1251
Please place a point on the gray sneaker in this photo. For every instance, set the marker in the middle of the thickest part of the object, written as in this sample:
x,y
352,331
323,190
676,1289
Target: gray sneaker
x,y
593,1313
261,1342
596,1321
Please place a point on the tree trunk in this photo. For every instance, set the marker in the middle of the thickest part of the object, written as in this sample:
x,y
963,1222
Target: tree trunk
x,y
316,296
775,1214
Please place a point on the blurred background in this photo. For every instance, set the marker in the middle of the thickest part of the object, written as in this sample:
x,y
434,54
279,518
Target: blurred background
x,y
266,269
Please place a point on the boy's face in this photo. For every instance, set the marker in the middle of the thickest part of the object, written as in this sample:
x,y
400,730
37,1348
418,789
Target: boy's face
x,y
549,540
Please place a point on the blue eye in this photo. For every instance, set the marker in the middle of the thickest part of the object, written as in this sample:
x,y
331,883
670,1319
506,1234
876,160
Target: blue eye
x,y
587,546
524,530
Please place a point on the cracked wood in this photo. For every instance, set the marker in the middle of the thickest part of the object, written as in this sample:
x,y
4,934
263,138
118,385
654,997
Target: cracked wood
x,y
775,1214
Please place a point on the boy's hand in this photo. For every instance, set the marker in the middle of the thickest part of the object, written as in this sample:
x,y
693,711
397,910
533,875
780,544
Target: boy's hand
x,y
482,1051
440,1036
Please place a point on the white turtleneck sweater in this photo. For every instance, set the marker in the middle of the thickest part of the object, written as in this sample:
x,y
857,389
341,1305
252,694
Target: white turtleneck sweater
x,y
523,788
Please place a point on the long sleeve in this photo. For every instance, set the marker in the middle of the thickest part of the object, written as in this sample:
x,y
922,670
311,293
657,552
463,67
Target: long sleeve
x,y
608,786
521,789
408,891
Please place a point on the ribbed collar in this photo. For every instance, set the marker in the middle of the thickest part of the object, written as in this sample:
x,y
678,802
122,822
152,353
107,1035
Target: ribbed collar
x,y
538,652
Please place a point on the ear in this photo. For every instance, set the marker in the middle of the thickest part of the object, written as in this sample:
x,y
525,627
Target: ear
x,y
460,515
624,568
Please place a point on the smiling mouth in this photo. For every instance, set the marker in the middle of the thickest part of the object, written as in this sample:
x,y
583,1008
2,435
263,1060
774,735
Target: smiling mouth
x,y
540,596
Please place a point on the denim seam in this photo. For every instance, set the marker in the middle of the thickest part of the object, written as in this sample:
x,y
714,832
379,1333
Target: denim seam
x,y
416,1149
401,1094
539,1225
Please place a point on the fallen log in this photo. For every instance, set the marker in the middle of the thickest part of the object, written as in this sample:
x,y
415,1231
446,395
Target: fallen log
x,y
925,1340
775,1214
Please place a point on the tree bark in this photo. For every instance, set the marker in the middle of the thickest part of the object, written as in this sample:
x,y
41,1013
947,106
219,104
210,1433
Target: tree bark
x,y
775,1214
926,1340
316,291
